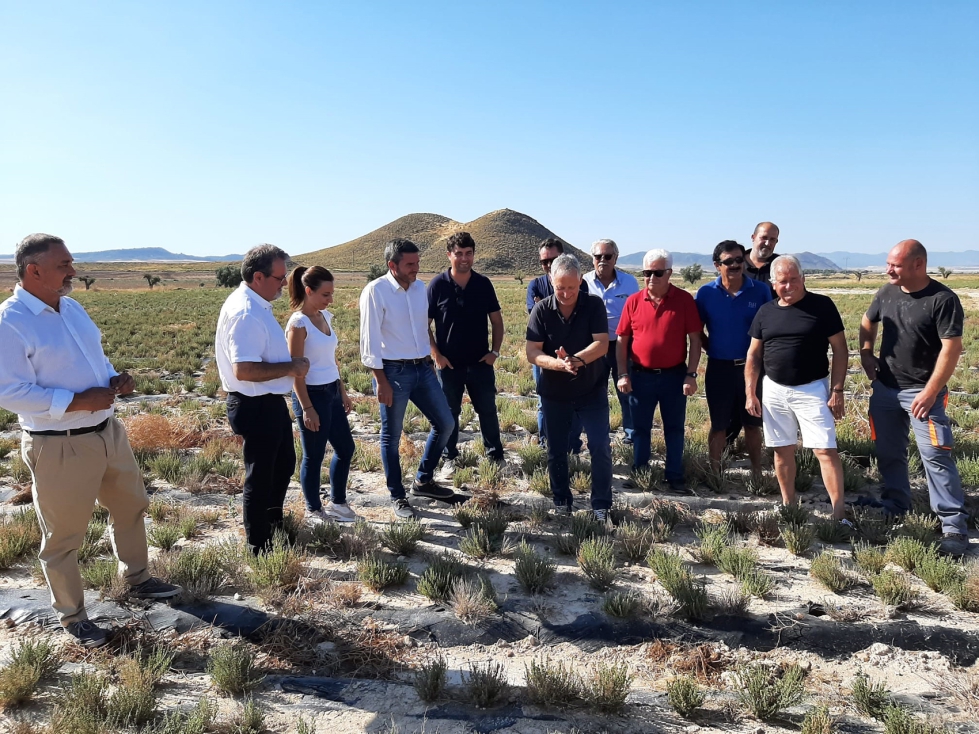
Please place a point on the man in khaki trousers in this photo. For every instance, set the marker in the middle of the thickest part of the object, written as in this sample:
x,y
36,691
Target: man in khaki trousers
x,y
55,376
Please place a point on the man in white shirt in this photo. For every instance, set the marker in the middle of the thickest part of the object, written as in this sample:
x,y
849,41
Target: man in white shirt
x,y
613,286
55,376
257,372
394,344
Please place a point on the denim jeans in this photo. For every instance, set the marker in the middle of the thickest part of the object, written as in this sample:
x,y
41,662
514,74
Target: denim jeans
x,y
417,383
666,390
270,459
334,428
480,381
613,371
591,412
890,418
574,437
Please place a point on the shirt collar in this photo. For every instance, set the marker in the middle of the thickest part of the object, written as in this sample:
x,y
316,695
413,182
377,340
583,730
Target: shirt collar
x,y
35,304
669,292
257,299
394,282
593,277
746,283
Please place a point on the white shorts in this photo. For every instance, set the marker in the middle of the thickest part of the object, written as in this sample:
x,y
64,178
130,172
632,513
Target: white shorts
x,y
787,410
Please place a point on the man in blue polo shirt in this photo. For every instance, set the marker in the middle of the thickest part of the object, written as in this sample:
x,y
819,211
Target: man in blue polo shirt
x,y
613,286
727,307
459,302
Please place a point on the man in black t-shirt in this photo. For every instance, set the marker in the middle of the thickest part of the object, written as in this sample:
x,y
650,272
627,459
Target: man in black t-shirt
x,y
459,302
920,347
758,260
567,337
791,336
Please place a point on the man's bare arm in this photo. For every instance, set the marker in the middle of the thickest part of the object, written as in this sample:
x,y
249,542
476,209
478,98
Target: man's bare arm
x,y
265,371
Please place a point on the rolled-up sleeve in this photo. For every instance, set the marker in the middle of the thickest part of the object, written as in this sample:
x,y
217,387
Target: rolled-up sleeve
x,y
371,312
246,339
19,391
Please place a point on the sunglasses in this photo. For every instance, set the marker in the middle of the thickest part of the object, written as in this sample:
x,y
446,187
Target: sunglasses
x,y
732,261
546,262
655,273
605,258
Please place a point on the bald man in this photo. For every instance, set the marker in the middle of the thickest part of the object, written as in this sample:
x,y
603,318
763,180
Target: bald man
x,y
758,260
920,347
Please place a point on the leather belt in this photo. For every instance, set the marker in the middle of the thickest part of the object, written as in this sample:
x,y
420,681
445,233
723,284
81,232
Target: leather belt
x,y
658,371
70,431
420,360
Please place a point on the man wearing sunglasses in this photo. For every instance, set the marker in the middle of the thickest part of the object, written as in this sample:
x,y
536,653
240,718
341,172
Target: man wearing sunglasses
x,y
613,286
659,340
727,307
758,260
539,289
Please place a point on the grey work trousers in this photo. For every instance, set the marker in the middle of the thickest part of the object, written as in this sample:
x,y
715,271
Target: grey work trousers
x,y
890,418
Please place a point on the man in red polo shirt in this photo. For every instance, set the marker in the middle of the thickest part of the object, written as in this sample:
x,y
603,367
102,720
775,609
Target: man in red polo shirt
x,y
659,338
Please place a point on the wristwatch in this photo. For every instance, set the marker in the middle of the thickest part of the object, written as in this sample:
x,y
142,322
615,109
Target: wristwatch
x,y
692,374
495,353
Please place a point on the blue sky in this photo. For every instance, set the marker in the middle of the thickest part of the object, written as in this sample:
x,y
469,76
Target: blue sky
x,y
209,127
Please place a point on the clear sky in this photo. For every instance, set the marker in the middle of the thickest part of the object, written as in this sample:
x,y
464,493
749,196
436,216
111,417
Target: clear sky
x,y
208,127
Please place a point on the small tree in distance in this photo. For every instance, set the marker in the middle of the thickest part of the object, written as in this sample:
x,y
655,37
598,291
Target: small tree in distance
x,y
518,278
376,271
87,281
944,272
151,280
692,273
228,276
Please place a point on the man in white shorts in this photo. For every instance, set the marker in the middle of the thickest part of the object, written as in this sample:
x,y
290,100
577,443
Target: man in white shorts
x,y
800,393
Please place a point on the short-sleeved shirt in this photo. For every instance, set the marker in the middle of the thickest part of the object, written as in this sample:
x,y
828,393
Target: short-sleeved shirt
x,y
796,338
319,348
614,297
248,332
460,316
728,318
914,326
541,288
658,334
547,325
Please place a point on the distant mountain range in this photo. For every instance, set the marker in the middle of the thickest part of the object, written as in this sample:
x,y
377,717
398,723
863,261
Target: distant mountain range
x,y
140,254
851,260
809,260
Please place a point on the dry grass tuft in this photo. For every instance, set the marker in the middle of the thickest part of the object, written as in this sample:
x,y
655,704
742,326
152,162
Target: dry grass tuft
x,y
156,432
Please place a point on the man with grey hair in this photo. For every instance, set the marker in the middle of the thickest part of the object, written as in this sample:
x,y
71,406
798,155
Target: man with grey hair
x,y
567,338
659,340
257,372
55,376
394,344
800,393
613,286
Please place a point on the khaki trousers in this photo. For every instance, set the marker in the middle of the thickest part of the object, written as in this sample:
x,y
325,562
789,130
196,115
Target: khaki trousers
x,y
70,474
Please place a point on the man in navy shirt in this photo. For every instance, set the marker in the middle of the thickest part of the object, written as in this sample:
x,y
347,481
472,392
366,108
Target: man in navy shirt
x,y
539,289
459,302
727,307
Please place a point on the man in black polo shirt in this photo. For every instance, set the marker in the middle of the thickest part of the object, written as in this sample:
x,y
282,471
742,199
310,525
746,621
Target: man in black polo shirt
x,y
919,350
567,337
758,260
459,301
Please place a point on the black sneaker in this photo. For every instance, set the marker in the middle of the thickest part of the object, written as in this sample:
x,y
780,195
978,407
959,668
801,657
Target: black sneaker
x,y
432,490
601,516
153,588
402,509
87,634
954,544
678,486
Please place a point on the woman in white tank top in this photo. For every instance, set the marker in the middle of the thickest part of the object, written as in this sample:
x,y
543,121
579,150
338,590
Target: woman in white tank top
x,y
319,399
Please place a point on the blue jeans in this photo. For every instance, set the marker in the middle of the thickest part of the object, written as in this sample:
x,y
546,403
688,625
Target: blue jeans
x,y
623,398
591,412
574,438
890,418
480,381
417,383
334,428
666,390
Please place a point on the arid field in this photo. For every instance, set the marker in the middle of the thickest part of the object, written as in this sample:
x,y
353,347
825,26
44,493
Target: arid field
x,y
712,612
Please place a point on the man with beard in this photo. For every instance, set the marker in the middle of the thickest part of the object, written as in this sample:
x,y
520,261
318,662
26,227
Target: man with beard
x,y
758,260
257,372
394,343
55,376
919,350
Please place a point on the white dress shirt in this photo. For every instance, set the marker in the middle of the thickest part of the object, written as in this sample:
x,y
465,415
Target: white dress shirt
x,y
614,296
46,357
393,322
248,332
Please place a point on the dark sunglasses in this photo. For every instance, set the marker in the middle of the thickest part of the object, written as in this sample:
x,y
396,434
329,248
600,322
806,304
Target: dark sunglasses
x,y
655,273
606,258
732,261
546,262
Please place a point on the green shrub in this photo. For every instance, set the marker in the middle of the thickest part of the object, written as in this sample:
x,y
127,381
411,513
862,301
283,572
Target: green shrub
x,y
164,535
818,721
534,571
486,684
596,558
870,698
766,693
430,679
623,604
869,559
684,696
893,588
437,580
402,537
797,538
739,562
378,574
714,538
552,684
31,661
634,540
921,526
608,687
832,532
757,583
793,514
940,573
906,552
232,669
827,569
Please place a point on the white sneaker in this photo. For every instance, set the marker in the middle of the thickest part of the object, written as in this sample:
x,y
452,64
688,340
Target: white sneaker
x,y
315,517
340,513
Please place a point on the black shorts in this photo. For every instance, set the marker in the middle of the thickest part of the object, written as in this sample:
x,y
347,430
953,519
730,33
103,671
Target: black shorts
x,y
724,386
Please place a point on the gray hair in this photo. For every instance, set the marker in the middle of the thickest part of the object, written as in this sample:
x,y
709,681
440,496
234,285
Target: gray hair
x,y
30,249
398,248
260,259
658,254
598,243
566,263
787,261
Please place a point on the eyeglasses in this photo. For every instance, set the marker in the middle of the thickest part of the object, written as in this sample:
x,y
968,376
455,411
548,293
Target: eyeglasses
x,y
605,258
655,273
732,261
546,262
278,277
